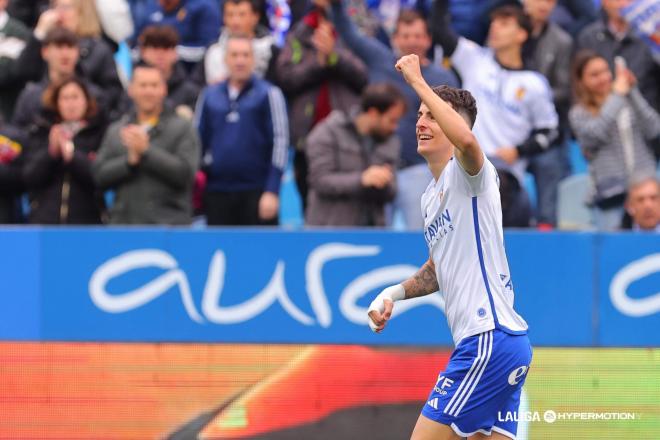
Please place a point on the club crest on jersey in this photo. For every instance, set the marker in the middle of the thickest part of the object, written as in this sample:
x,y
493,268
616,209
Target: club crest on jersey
x,y
520,93
439,228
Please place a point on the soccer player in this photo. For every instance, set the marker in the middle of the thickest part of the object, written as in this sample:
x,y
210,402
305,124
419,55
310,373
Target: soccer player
x,y
463,230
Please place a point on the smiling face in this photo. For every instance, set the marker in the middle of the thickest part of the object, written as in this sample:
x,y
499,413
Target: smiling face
x,y
596,77
431,140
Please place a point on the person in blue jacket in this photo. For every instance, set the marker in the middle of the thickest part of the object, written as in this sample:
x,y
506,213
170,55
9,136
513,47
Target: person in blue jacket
x,y
244,131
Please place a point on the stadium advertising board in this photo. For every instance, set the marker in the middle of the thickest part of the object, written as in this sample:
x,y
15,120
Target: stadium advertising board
x,y
307,287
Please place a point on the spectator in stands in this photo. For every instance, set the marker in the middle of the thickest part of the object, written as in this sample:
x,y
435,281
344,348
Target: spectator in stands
x,y
244,131
411,35
158,48
318,74
643,205
197,22
517,120
241,17
60,50
548,50
13,38
612,36
574,15
149,157
58,160
516,206
96,62
470,18
352,161
613,123
11,180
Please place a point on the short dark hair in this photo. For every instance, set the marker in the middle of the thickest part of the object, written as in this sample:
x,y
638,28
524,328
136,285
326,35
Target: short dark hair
x,y
160,37
256,5
516,12
409,16
381,96
60,36
52,95
460,100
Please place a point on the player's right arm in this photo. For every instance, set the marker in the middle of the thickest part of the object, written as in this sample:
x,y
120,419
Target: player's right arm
x,y
467,152
423,282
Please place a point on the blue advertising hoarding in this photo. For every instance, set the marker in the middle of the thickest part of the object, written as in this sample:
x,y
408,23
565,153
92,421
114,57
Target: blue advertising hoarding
x,y
629,281
307,287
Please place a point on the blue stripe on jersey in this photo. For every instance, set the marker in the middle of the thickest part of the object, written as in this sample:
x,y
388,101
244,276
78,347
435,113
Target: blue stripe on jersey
x,y
475,215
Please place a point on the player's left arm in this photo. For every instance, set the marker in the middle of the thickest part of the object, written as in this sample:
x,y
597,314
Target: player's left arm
x,y
468,152
423,282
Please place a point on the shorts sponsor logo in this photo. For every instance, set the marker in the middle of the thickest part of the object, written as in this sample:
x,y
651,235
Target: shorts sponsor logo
x,y
517,374
443,382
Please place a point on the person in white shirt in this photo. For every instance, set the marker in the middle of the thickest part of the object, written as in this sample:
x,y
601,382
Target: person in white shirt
x,y
468,265
517,116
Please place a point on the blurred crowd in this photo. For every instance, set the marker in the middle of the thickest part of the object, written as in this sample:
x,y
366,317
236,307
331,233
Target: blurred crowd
x,y
175,111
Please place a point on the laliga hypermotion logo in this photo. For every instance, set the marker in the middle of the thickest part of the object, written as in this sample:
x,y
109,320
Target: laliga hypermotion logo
x,y
635,307
274,291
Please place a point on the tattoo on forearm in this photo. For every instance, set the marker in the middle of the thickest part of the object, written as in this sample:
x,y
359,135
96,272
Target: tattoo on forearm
x,y
422,283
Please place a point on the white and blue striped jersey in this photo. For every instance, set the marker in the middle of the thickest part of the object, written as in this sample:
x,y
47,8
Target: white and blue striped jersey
x,y
463,231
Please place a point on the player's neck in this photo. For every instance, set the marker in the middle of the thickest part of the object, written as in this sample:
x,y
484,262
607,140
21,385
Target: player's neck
x,y
438,162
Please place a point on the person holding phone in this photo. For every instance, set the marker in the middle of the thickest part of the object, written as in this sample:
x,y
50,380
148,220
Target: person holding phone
x,y
614,125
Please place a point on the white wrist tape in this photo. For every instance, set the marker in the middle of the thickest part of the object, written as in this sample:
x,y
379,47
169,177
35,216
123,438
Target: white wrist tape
x,y
393,293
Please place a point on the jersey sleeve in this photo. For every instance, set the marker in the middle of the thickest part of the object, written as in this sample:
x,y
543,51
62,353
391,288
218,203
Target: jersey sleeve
x,y
481,182
542,107
466,57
